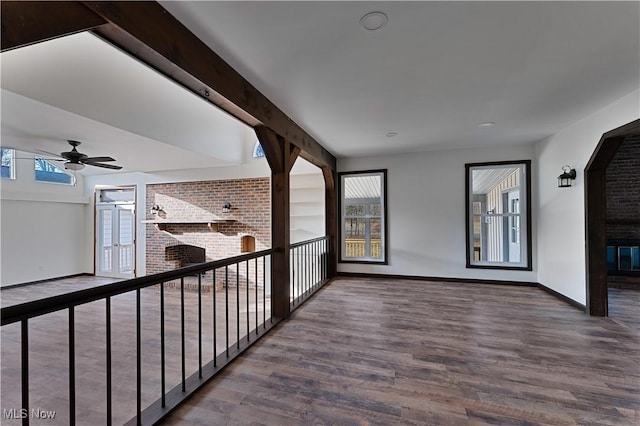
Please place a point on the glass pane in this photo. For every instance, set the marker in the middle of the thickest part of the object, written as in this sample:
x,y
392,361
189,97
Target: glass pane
x,y
611,258
46,171
497,222
7,169
106,249
115,195
126,237
363,216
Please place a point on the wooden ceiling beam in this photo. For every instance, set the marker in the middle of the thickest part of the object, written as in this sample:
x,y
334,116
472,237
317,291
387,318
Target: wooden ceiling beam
x,y
149,32
29,22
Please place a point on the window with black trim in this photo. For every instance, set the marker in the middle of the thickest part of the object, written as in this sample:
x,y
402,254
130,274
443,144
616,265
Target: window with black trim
x,y
46,171
498,201
8,170
363,214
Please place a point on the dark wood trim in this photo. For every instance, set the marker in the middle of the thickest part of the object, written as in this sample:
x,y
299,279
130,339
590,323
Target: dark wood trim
x,y
278,152
529,229
386,215
595,207
272,147
437,279
562,297
29,22
82,274
331,218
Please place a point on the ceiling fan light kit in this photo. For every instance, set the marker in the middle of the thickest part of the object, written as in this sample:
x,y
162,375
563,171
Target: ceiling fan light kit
x,y
77,160
73,166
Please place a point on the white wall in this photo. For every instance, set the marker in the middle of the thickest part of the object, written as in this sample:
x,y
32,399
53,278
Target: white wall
x,y
561,224
426,212
41,226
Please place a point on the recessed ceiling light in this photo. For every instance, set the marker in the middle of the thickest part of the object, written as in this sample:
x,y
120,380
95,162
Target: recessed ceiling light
x,y
487,124
391,134
373,21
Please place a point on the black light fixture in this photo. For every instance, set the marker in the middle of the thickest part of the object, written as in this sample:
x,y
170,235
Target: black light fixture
x,y
567,177
226,207
156,208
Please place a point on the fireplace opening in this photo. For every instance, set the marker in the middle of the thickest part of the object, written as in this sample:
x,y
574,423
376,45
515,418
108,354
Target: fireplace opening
x,y
185,255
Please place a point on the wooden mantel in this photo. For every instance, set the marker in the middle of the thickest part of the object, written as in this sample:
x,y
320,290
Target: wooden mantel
x,y
212,223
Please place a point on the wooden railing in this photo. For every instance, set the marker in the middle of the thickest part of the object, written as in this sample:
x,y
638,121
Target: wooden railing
x,y
357,248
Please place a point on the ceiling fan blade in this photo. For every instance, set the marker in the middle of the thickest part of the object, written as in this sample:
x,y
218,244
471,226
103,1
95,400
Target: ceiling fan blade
x,y
104,166
96,159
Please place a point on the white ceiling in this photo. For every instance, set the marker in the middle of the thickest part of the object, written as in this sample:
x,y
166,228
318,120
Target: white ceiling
x,y
432,74
81,88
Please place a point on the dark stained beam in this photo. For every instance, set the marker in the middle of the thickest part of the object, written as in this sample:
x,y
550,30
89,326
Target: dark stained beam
x,y
294,152
596,229
150,33
331,218
28,22
278,153
272,147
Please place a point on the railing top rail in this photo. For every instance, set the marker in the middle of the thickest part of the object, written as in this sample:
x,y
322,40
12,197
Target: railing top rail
x,y
302,243
22,311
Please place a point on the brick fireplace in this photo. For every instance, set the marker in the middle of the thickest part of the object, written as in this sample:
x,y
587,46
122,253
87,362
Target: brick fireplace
x,y
187,223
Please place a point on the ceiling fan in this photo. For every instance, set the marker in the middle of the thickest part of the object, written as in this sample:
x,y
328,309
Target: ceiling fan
x,y
76,160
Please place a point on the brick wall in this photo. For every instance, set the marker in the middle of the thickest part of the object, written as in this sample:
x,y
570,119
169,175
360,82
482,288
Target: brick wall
x,y
623,201
250,208
623,191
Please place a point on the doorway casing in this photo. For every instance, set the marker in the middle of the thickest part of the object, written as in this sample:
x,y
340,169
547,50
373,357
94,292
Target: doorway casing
x,y
596,215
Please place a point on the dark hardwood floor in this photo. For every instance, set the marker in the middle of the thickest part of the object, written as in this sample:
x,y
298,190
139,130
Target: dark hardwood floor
x,y
387,352
624,306
360,352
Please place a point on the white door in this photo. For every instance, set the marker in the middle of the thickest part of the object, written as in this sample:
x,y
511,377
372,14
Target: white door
x,y
513,206
115,241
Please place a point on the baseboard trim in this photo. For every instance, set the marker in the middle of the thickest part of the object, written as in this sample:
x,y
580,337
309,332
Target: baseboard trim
x,y
562,297
440,279
554,293
83,274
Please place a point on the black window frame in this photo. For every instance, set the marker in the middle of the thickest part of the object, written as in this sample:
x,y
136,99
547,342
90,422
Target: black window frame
x,y
528,219
384,219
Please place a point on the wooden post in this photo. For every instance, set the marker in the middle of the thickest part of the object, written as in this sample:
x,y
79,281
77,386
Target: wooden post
x,y
281,156
331,218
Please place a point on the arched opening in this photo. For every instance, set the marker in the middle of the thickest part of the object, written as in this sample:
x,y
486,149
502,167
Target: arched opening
x,y
596,215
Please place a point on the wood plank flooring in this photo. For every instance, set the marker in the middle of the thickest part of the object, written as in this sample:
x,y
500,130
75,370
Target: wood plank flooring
x,y
387,352
49,348
624,306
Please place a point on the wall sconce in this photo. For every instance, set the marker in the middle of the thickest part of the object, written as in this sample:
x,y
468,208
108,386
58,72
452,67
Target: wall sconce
x,y
566,179
226,207
156,208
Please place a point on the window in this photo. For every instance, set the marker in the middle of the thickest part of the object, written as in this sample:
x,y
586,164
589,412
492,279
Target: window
x,y
498,209
8,163
258,152
49,172
363,209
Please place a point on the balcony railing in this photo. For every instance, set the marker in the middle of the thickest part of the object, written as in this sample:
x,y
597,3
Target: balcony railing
x,y
308,269
166,333
131,351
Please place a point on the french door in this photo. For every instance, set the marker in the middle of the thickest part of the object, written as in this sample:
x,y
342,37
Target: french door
x,y
115,240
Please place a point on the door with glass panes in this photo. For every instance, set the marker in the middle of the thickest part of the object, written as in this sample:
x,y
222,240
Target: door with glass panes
x,y
115,240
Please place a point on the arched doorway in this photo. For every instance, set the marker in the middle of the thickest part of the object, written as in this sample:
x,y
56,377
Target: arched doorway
x,y
596,217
